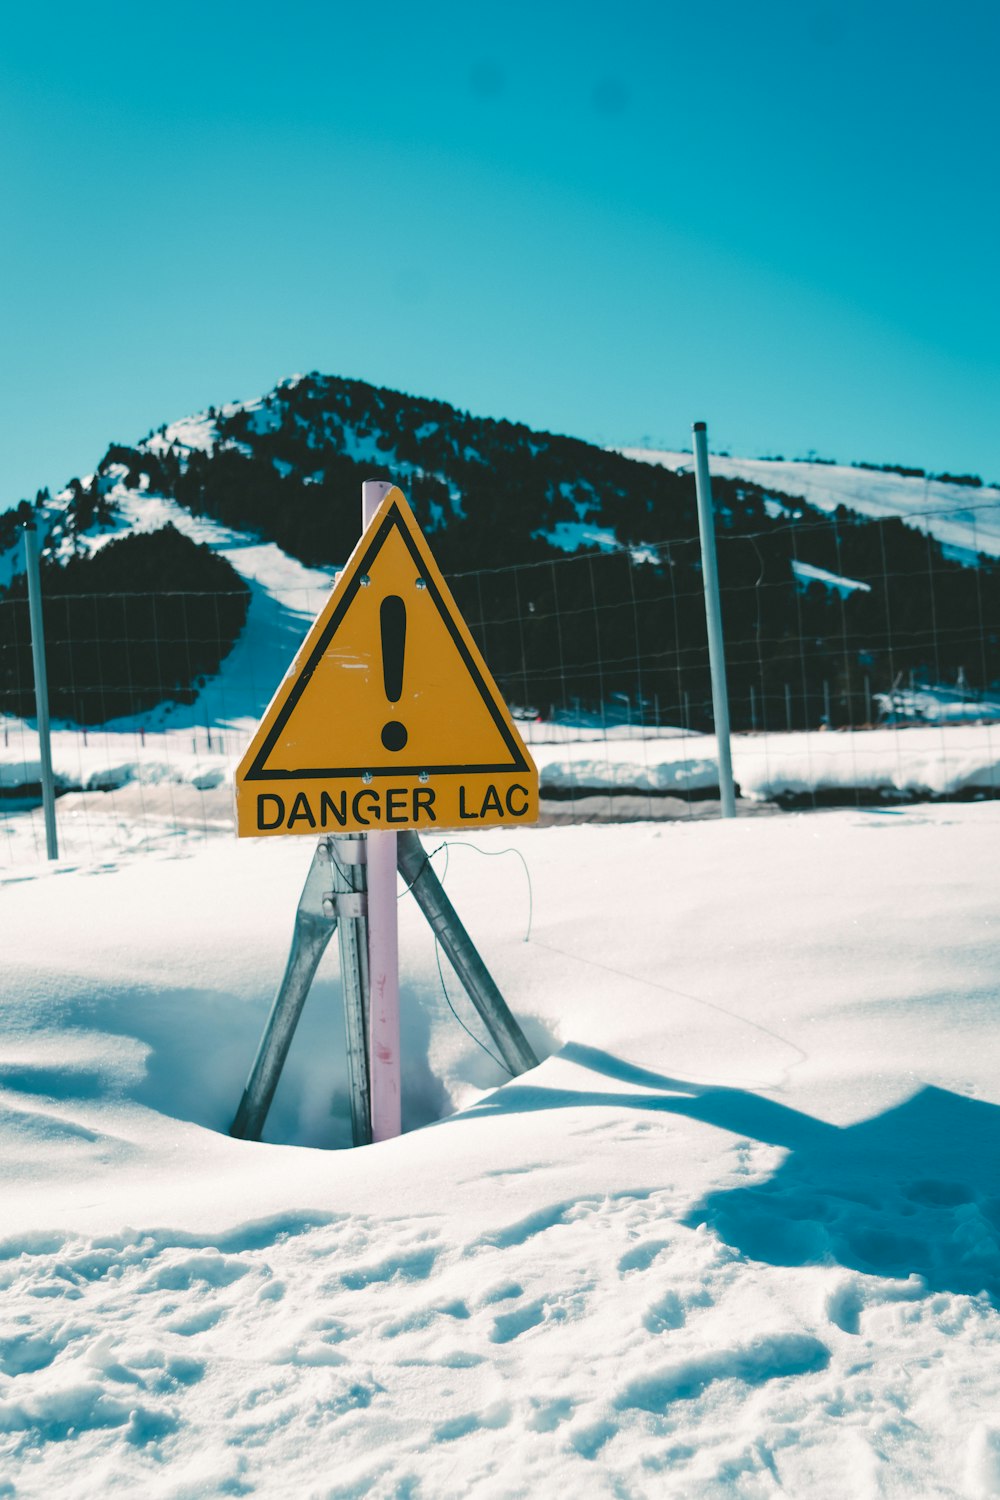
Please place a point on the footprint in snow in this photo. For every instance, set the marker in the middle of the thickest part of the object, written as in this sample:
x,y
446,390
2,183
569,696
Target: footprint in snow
x,y
664,1315
504,1292
494,1418
24,1353
187,1325
511,1325
414,1265
546,1416
588,1441
752,1364
641,1256
180,1272
847,1301
543,1219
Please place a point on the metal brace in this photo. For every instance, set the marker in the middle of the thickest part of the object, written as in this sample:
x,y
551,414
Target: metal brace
x,y
324,908
352,851
346,904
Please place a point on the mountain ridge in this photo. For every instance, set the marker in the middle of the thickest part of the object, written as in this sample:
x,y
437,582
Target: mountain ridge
x,y
504,504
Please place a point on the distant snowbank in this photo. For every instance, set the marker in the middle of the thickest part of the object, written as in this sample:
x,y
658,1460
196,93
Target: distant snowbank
x,y
102,760
918,762
913,762
946,761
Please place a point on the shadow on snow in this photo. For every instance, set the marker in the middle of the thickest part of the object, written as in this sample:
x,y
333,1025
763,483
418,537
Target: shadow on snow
x,y
915,1190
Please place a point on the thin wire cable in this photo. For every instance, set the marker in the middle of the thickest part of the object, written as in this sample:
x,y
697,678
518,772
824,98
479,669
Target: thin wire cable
x,y
447,845
497,854
444,988
478,1041
667,989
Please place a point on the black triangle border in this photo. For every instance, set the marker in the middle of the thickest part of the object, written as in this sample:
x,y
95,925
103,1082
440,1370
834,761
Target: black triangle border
x,y
258,771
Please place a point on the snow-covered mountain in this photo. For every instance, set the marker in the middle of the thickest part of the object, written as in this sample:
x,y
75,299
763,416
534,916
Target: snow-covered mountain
x,y
253,505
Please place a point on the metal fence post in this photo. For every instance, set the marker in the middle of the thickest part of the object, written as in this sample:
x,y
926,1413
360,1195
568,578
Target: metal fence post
x,y
713,616
41,687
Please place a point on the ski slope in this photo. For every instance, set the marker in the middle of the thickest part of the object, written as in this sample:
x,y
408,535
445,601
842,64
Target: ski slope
x,y
965,519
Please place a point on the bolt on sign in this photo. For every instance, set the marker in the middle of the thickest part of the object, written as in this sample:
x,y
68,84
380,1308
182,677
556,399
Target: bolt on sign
x,y
388,717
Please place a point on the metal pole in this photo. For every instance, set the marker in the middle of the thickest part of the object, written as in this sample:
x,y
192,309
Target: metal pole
x,y
383,941
41,687
713,616
416,870
348,861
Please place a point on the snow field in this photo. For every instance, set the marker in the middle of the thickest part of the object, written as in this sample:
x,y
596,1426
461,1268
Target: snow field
x,y
737,1234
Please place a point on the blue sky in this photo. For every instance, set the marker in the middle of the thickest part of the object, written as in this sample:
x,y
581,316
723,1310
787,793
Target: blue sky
x,y
602,219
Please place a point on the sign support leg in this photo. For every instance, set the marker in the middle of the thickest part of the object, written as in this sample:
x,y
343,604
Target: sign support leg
x,y
416,870
314,927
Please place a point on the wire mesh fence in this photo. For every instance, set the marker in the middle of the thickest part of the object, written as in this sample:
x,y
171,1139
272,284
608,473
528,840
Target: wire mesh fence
x,y
820,630
863,663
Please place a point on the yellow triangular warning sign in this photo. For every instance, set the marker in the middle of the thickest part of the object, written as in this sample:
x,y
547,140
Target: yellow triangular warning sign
x,y
388,716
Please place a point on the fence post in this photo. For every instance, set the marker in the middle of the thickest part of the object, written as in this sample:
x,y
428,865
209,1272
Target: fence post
x,y
41,687
713,616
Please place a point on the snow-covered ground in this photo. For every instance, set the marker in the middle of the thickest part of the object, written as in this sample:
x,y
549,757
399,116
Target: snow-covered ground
x,y
736,1236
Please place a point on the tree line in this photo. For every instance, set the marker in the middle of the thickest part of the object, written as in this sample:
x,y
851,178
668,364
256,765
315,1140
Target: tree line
x,y
144,619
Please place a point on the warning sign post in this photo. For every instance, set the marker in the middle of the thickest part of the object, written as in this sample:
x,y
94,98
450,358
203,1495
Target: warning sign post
x,y
388,721
389,717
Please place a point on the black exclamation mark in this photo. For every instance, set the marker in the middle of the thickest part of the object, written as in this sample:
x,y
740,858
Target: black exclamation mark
x,y
392,618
